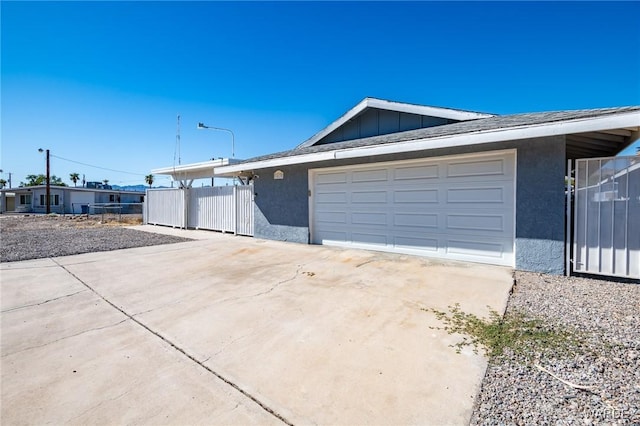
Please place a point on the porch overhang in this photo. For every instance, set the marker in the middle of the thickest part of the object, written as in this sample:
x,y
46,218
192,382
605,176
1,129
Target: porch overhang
x,y
202,170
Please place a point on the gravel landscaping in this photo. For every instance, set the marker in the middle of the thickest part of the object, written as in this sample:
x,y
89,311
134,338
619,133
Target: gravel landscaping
x,y
607,316
26,237
598,383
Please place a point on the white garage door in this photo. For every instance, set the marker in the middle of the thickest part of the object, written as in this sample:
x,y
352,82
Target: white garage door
x,y
79,199
459,208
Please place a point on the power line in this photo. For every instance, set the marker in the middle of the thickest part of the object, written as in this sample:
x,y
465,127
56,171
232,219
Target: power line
x,y
97,167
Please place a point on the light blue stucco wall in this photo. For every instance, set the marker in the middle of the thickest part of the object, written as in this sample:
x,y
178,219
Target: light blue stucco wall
x,y
540,206
282,206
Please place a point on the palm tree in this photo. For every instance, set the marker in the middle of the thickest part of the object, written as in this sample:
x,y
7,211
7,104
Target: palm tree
x,y
75,177
2,183
34,180
149,180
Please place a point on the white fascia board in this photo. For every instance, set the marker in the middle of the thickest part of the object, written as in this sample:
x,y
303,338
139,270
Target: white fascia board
x,y
427,110
200,170
499,135
618,121
275,162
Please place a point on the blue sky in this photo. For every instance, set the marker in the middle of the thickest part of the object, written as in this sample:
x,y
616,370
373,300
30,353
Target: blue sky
x,y
101,83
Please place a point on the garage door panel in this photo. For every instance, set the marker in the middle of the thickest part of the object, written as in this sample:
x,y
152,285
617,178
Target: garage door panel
x,y
368,218
369,238
476,222
325,236
482,195
476,248
427,244
331,197
476,168
416,196
417,220
369,197
370,176
459,208
332,217
417,172
328,178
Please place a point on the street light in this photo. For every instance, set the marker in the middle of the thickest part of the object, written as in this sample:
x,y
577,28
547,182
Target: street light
x,y
233,137
48,183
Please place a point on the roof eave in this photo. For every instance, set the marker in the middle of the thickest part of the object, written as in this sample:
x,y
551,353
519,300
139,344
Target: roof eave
x,y
621,120
202,170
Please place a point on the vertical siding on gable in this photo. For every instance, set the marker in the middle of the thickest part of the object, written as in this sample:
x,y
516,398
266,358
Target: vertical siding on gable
x,y
410,121
434,121
369,123
351,129
389,122
374,122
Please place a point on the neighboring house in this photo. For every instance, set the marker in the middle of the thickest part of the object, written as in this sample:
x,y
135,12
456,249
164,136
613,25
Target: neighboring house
x,y
437,182
66,199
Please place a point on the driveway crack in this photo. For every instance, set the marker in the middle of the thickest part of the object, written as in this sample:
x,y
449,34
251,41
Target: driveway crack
x,y
279,283
183,351
66,337
42,303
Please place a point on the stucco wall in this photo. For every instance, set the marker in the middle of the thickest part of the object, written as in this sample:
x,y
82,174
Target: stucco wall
x,y
282,206
540,206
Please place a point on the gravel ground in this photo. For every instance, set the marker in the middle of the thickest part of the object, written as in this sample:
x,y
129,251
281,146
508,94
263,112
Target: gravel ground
x,y
26,237
514,391
607,314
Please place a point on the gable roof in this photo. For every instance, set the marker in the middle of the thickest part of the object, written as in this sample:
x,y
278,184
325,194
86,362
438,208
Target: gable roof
x,y
367,103
593,132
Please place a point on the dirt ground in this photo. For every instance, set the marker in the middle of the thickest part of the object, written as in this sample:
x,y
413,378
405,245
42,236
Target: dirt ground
x,y
27,221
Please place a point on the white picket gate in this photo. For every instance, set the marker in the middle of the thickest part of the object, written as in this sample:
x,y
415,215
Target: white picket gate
x,y
218,208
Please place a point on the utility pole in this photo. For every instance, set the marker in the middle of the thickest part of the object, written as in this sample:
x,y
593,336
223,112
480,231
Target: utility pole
x,y
48,186
48,182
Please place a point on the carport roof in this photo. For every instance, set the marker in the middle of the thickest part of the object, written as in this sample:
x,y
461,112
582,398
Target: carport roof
x,y
201,170
590,133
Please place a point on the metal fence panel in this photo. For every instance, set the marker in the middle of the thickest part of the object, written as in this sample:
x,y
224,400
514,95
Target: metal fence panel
x,y
221,208
165,207
244,210
607,216
212,208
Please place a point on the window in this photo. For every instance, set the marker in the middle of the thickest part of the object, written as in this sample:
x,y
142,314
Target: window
x,y
112,198
25,198
54,199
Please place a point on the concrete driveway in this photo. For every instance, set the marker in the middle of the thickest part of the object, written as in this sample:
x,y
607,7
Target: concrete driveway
x,y
235,330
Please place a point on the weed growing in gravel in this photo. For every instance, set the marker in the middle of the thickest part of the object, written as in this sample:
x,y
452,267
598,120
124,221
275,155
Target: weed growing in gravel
x,y
514,332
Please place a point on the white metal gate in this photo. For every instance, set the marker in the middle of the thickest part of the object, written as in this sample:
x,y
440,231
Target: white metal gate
x,y
222,208
607,216
164,207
